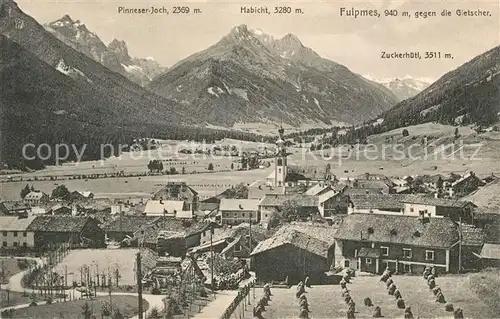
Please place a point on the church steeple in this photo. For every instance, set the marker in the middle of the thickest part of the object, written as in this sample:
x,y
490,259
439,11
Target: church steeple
x,y
280,165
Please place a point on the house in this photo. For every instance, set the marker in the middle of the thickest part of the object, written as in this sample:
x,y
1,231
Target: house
x,y
14,232
35,198
77,231
147,234
14,208
439,207
124,226
170,208
376,203
331,203
382,186
79,195
259,190
232,241
236,211
372,177
490,255
179,191
405,244
274,203
473,239
60,209
293,255
464,186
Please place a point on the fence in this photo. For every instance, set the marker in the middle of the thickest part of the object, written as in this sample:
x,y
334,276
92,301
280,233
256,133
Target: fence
x,y
241,297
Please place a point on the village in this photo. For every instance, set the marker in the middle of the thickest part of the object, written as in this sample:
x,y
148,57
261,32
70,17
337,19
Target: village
x,y
238,252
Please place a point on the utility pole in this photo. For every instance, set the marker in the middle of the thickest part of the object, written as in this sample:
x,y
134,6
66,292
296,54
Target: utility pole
x,y
139,284
460,244
212,259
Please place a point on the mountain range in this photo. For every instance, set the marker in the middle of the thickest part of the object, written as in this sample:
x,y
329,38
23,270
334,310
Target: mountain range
x,y
249,76
403,88
469,94
115,56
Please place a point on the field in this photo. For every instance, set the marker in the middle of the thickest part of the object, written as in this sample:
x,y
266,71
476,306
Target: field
x,y
73,309
101,261
15,298
327,302
471,151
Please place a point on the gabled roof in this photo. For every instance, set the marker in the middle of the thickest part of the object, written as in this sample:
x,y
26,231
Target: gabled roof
x,y
491,251
14,223
239,204
432,201
320,231
323,197
35,196
161,207
128,223
465,177
294,238
280,199
407,230
378,201
60,224
14,205
472,236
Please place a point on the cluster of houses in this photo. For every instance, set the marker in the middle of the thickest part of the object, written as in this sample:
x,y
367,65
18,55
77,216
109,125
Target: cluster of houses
x,y
367,223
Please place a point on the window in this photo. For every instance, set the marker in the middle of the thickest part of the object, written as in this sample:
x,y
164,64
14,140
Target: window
x,y
368,261
429,255
346,263
25,245
384,251
15,243
411,210
237,247
24,234
406,268
5,233
15,234
242,214
4,244
407,253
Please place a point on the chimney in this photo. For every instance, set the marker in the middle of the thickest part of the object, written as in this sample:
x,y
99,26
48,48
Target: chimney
x,y
241,207
161,201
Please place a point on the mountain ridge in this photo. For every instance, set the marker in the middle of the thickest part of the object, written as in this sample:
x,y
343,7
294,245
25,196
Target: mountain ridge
x,y
249,76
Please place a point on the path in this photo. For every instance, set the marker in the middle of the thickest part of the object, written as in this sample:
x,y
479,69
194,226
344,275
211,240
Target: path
x,y
15,282
215,308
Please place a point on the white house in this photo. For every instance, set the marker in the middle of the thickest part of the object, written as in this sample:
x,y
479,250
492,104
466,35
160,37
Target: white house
x,y
14,232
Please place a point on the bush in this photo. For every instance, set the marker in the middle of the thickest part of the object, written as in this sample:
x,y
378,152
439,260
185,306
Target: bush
x,y
448,307
33,304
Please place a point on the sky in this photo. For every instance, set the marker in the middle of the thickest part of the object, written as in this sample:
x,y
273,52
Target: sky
x,y
354,42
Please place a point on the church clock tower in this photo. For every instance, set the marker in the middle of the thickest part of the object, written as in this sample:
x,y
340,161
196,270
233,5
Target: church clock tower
x,y
280,164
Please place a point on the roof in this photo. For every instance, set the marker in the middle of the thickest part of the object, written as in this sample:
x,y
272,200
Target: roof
x,y
378,201
361,191
239,204
14,205
228,232
490,251
86,193
176,191
294,238
128,223
160,224
323,232
467,176
60,224
472,236
280,199
373,184
326,196
407,230
369,252
260,190
316,189
432,201
160,207
34,196
14,223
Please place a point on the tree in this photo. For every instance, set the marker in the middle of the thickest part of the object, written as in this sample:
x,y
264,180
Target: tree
x,y
232,166
86,311
183,170
241,191
118,315
117,276
25,191
210,167
457,133
173,171
405,132
290,210
60,192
